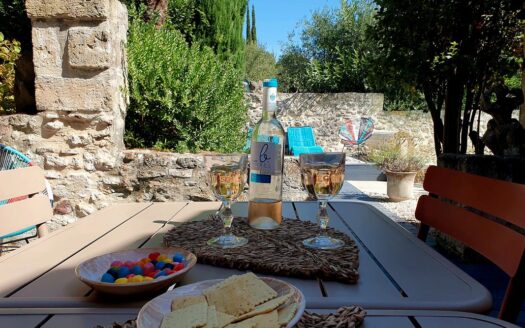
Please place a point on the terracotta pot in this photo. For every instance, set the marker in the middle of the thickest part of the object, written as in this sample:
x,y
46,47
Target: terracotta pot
x,y
399,185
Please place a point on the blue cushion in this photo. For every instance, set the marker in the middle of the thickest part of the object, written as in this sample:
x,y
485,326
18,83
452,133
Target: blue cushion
x,y
19,232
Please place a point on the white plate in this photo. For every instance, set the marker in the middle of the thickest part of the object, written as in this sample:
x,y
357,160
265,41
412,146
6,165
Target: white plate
x,y
152,313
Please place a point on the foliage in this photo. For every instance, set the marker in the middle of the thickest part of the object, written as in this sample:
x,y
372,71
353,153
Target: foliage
x,y
14,22
450,51
260,64
9,53
334,44
218,24
398,155
292,67
181,97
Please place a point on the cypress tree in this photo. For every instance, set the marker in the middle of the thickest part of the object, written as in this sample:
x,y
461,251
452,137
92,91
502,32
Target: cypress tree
x,y
248,31
220,27
254,29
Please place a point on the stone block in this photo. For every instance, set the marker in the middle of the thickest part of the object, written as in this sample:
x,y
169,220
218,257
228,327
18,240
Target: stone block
x,y
53,127
104,161
47,56
187,173
188,162
84,209
76,94
73,9
78,140
89,48
54,162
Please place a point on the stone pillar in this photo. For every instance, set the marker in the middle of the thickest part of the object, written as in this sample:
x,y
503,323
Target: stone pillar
x,y
80,67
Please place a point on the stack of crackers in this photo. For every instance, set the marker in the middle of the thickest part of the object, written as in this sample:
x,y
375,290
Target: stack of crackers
x,y
243,301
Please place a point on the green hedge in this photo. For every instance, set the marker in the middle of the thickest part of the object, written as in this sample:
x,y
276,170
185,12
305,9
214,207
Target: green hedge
x,y
182,97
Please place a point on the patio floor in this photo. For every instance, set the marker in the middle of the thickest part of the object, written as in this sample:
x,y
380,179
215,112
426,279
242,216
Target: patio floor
x,y
362,179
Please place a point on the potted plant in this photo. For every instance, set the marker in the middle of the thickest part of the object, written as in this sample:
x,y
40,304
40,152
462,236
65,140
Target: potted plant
x,y
399,162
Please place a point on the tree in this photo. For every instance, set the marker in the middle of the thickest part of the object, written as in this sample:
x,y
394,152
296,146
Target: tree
x,y
335,46
248,26
219,25
254,28
450,51
260,64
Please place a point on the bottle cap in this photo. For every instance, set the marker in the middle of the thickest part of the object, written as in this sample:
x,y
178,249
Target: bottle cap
x,y
270,83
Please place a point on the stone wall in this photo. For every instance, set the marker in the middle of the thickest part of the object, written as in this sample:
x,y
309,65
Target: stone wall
x,y
80,68
326,113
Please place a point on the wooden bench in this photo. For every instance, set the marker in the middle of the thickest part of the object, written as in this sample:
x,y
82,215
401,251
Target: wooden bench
x,y
486,215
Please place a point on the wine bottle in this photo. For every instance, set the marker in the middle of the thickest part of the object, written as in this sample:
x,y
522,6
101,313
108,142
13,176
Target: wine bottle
x,y
266,164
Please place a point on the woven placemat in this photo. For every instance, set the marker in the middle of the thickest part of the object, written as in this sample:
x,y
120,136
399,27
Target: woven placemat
x,y
345,317
279,251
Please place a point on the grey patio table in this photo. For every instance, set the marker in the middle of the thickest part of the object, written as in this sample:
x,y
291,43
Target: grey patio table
x,y
397,271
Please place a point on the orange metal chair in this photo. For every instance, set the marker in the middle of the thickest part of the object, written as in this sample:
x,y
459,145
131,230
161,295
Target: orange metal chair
x,y
485,215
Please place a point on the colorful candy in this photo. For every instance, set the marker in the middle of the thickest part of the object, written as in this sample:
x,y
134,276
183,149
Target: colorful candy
x,y
153,266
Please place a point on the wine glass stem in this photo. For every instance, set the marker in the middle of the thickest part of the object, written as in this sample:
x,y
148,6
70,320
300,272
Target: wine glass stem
x,y
323,217
227,217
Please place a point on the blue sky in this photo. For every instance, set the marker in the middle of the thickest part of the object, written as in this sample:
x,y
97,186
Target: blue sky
x,y
277,18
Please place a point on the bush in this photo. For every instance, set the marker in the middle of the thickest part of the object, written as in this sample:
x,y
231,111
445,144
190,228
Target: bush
x,y
398,155
9,53
260,64
182,97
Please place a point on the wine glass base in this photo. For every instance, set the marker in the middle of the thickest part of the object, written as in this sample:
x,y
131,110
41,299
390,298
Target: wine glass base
x,y
227,241
323,242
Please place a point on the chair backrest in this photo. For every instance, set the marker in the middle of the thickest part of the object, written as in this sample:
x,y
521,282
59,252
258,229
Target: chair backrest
x,y
347,132
483,213
301,136
26,211
366,128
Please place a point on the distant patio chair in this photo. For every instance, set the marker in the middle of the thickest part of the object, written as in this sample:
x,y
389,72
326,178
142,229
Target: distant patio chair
x,y
11,159
248,144
348,135
301,140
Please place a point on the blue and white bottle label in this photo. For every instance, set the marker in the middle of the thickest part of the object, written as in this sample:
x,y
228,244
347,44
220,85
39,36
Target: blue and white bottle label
x,y
266,158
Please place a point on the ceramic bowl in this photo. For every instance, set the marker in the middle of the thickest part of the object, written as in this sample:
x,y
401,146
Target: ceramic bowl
x,y
152,313
91,271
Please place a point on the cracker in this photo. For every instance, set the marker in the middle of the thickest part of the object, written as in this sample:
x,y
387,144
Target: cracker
x,y
238,295
261,291
266,320
185,301
286,313
266,307
212,318
193,316
223,319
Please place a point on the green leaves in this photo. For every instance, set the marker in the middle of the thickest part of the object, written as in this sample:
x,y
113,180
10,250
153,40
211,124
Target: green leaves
x,y
331,56
9,53
182,97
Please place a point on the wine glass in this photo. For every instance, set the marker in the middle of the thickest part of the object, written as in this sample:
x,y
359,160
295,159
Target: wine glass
x,y
323,175
227,174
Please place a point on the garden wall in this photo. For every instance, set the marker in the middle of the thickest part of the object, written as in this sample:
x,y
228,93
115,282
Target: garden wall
x,y
325,112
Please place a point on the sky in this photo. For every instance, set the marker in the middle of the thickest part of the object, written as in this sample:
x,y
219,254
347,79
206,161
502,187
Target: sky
x,y
276,19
